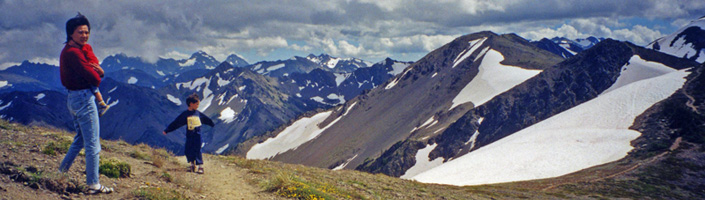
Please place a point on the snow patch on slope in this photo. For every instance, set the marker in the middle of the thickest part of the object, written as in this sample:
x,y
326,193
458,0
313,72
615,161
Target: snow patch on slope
x,y
4,83
40,96
275,67
339,78
5,106
398,68
132,80
492,79
590,134
423,163
342,166
227,115
173,99
291,137
221,149
465,54
638,69
188,62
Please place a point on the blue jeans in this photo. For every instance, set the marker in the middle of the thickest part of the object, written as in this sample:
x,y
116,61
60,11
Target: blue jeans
x,y
81,104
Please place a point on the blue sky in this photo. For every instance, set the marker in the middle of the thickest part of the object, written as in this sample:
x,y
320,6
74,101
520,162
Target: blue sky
x,y
275,30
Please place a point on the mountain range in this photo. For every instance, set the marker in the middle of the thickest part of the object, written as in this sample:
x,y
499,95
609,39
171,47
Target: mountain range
x,y
243,102
490,108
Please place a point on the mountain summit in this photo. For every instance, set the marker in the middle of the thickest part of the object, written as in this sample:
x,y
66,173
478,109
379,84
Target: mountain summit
x,y
688,42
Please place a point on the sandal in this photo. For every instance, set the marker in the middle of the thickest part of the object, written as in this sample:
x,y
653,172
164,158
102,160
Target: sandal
x,y
102,189
200,170
192,168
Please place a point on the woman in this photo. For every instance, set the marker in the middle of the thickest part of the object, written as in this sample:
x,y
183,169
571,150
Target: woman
x,y
79,75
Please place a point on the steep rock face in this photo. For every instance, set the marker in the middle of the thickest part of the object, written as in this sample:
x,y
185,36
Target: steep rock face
x,y
415,104
333,88
317,84
137,77
565,47
281,68
138,115
30,77
43,108
554,48
163,68
338,65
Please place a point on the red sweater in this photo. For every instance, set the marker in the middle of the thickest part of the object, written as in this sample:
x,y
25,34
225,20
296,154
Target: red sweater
x,y
76,71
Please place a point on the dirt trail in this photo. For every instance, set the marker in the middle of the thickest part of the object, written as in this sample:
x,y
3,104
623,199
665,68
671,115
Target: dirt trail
x,y
222,181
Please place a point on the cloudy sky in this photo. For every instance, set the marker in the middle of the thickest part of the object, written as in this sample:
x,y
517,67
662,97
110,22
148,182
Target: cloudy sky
x,y
275,30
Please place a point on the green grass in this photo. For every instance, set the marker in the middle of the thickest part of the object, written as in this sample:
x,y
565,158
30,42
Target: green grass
x,y
54,147
114,168
137,154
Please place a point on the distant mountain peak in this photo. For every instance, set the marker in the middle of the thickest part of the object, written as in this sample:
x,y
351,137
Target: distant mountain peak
x,y
200,53
565,47
687,42
236,60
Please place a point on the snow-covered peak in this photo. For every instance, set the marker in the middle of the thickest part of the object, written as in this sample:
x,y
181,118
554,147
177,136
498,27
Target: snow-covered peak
x,y
200,59
331,62
687,42
324,59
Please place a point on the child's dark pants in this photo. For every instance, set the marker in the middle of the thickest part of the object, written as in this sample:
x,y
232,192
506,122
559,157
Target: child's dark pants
x,y
193,148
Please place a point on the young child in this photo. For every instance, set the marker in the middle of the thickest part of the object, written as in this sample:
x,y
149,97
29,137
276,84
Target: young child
x,y
93,60
193,119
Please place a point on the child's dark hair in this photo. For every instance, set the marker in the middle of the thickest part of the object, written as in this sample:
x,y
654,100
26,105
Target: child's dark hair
x,y
74,23
193,98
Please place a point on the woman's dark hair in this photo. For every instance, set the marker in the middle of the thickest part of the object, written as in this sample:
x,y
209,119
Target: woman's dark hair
x,y
74,23
193,98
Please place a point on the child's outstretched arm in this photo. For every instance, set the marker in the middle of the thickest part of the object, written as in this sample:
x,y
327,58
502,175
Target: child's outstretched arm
x,y
178,122
205,120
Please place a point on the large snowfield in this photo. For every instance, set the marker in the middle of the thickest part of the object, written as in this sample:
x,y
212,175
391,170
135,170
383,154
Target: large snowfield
x,y
590,134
